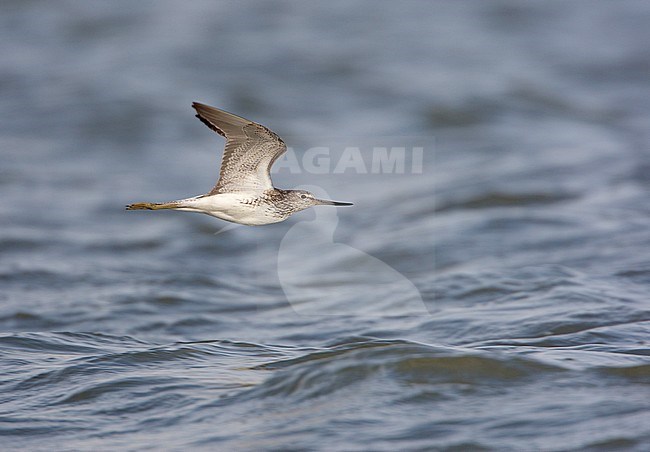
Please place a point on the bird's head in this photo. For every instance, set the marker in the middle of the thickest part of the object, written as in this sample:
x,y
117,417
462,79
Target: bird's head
x,y
304,199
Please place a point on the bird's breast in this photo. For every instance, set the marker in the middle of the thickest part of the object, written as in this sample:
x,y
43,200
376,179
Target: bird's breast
x,y
243,208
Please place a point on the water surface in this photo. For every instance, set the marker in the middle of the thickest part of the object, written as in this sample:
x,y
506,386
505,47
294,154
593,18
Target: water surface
x,y
496,300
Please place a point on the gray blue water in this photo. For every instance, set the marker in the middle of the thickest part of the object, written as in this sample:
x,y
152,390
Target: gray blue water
x,y
495,298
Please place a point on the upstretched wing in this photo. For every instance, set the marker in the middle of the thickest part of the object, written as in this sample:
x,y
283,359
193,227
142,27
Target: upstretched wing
x,y
250,151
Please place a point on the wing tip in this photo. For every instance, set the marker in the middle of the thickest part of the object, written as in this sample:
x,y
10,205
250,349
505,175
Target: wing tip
x,y
210,125
198,106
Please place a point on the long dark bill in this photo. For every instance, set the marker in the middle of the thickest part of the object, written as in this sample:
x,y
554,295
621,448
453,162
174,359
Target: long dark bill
x,y
333,203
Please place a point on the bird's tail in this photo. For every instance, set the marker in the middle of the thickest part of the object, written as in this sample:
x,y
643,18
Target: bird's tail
x,y
152,205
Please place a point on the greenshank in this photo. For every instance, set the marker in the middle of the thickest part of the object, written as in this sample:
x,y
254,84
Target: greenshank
x,y
244,193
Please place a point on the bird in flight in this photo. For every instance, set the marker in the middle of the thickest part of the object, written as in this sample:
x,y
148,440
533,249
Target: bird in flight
x,y
244,193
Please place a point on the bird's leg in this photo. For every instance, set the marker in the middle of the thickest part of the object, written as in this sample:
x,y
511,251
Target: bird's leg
x,y
153,205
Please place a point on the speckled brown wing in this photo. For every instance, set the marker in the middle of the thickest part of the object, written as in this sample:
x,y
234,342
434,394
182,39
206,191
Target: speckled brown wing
x,y
250,151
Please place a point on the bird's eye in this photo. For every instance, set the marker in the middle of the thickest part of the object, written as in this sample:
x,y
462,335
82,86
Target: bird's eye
x,y
303,196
